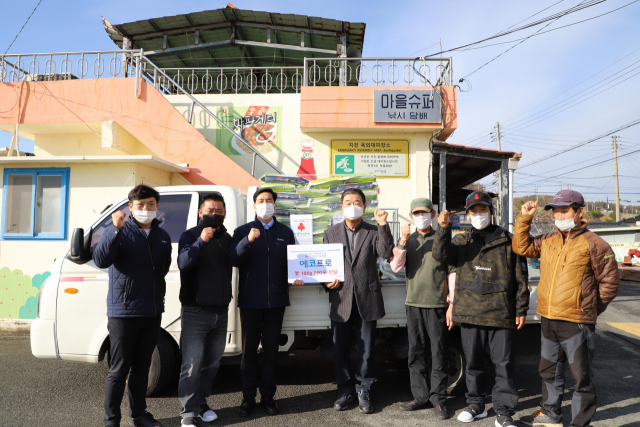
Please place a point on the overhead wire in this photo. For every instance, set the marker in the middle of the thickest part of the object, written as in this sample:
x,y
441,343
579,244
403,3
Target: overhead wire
x,y
518,44
23,25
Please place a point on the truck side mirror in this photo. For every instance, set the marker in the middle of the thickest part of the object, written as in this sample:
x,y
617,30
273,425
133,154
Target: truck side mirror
x,y
80,249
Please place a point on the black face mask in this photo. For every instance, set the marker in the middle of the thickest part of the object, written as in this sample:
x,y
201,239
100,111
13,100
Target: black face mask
x,y
214,220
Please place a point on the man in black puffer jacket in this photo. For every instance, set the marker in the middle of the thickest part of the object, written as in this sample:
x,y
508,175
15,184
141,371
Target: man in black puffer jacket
x,y
205,293
259,250
138,255
491,299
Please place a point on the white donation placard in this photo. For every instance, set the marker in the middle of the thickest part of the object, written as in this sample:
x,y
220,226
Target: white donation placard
x,y
316,263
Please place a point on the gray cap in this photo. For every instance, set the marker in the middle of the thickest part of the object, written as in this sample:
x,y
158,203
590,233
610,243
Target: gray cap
x,y
422,202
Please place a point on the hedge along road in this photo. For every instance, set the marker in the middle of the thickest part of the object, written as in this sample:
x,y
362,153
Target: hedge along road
x,y
48,393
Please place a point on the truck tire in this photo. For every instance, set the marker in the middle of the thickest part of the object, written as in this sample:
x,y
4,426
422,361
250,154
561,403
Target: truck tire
x,y
164,364
457,364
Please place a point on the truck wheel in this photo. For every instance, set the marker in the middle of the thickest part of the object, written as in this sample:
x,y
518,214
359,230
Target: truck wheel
x,y
457,364
164,364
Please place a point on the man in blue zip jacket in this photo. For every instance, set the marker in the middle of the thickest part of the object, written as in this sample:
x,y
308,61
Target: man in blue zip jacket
x,y
138,255
259,249
205,293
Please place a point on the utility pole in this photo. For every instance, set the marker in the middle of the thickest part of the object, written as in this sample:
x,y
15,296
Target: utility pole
x,y
615,172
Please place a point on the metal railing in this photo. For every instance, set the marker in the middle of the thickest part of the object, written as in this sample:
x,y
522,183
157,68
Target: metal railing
x,y
154,72
378,72
66,66
234,80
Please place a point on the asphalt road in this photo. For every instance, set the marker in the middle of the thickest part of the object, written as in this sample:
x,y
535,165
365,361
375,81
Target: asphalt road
x,y
36,392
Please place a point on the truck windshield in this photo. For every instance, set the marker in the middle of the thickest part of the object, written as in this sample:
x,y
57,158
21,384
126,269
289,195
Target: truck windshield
x,y
172,214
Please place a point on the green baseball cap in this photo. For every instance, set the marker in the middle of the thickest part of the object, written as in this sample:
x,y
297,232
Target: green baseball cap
x,y
421,203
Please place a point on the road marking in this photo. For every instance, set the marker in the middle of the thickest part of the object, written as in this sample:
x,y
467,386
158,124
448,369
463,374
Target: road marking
x,y
632,328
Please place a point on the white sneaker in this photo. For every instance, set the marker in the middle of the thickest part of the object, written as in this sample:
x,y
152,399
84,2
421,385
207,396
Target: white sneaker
x,y
206,414
188,422
504,421
472,412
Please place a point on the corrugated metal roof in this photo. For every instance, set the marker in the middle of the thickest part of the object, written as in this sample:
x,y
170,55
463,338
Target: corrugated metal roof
x,y
253,26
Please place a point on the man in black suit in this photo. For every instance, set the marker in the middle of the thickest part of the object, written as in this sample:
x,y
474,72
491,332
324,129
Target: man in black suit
x,y
356,304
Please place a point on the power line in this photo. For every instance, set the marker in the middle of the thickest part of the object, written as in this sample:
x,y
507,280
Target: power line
x,y
16,37
569,99
553,17
548,31
578,84
521,41
608,133
584,167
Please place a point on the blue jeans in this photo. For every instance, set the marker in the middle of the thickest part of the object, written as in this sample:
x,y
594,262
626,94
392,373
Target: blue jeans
x,y
202,343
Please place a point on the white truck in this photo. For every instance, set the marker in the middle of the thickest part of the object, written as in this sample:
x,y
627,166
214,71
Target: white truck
x,y
71,321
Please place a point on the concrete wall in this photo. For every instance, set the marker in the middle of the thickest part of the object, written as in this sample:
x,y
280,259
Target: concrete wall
x,y
394,192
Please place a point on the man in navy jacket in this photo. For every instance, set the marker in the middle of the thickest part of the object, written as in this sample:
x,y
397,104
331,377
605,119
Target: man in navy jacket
x,y
138,255
205,293
259,249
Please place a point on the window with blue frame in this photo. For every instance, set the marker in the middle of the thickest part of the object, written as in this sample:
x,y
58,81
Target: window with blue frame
x,y
35,204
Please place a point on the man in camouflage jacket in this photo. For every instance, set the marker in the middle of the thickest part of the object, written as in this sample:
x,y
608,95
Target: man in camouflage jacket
x,y
491,300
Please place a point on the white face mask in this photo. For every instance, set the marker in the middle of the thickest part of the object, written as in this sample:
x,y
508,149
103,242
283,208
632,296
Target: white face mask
x,y
565,224
422,220
144,217
479,220
265,210
353,212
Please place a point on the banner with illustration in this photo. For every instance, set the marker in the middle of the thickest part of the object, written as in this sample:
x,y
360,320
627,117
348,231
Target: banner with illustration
x,y
258,125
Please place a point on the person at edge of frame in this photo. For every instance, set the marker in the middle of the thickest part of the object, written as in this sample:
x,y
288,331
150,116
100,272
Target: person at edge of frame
x,y
570,299
259,250
427,303
491,301
356,304
138,254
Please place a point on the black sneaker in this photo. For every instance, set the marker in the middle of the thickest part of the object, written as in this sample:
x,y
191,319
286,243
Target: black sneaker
x,y
364,401
247,406
269,405
505,421
206,414
145,420
441,411
539,418
472,412
343,402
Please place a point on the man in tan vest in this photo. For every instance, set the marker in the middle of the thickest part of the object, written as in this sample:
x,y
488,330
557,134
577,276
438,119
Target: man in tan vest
x,y
578,279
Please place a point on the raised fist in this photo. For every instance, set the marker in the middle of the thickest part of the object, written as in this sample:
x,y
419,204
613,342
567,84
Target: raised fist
x,y
529,208
118,219
253,235
443,219
380,216
405,231
207,233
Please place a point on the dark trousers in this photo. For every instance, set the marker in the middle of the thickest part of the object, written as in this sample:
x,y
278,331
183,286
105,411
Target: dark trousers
x,y
202,343
260,325
365,335
428,335
564,342
132,340
475,342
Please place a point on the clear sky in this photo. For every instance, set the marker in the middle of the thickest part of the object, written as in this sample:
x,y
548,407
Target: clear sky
x,y
526,89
